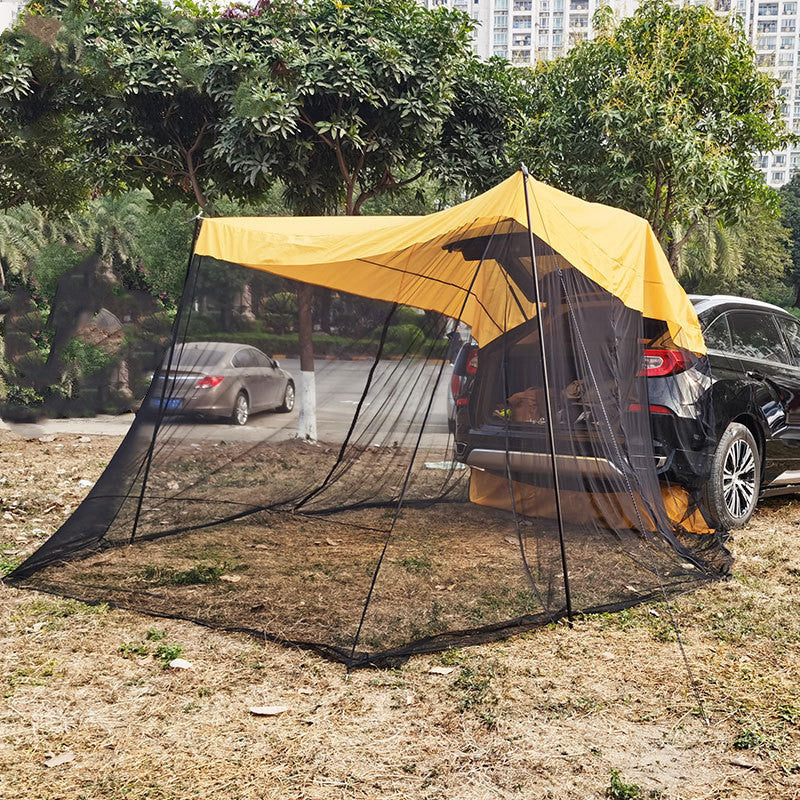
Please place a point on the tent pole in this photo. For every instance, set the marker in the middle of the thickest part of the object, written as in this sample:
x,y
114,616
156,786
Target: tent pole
x,y
186,297
548,405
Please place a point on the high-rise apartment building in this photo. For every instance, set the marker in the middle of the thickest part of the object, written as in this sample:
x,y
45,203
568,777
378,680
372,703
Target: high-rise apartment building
x,y
9,12
527,31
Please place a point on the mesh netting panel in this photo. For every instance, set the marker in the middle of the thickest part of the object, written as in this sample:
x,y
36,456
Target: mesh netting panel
x,y
426,515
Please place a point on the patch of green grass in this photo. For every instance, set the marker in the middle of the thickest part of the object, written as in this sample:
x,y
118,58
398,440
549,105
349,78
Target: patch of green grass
x,y
134,649
749,739
416,564
29,676
154,635
505,603
198,574
61,609
8,563
617,789
474,690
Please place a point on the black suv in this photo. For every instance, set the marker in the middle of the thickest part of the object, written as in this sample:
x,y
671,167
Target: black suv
x,y
733,418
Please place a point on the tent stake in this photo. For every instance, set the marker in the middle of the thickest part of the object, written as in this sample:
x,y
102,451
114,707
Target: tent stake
x,y
547,402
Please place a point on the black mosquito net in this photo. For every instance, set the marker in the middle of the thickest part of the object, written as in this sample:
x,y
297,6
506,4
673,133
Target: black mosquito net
x,y
426,513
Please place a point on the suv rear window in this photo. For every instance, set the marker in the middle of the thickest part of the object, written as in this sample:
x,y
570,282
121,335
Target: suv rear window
x,y
718,335
755,335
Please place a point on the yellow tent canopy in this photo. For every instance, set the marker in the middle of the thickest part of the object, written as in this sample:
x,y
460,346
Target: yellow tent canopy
x,y
416,261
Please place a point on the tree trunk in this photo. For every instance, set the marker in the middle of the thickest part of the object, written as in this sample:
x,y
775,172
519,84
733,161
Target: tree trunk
x,y
307,418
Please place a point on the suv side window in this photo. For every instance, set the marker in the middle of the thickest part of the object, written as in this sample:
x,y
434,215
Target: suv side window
x,y
718,335
791,331
755,335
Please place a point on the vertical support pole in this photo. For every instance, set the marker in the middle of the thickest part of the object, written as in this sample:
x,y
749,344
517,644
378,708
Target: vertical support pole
x,y
186,297
548,404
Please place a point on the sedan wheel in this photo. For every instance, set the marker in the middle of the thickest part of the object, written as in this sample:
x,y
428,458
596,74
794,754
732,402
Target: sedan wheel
x,y
733,487
241,410
288,399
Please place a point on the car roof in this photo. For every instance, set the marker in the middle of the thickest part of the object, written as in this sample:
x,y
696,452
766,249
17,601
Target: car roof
x,y
704,302
222,347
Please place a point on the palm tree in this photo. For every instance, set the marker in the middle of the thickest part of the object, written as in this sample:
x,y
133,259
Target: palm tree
x,y
712,259
24,231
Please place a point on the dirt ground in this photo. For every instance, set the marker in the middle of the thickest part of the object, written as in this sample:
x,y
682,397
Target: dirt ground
x,y
603,710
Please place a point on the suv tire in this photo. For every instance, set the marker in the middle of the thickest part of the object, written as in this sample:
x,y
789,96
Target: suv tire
x,y
732,490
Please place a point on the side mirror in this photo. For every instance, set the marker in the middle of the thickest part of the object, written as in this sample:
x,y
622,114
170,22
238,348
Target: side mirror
x,y
275,363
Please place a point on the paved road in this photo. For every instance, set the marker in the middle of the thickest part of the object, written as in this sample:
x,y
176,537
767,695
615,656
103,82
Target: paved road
x,y
396,403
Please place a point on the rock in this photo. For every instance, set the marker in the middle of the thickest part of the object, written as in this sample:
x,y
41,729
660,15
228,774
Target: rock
x,y
180,663
84,439
84,484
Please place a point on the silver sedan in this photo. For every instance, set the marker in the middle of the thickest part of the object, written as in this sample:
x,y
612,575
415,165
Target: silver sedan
x,y
221,379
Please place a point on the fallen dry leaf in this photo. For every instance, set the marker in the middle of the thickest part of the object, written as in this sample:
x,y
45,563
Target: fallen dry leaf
x,y
61,758
230,578
267,711
441,670
180,663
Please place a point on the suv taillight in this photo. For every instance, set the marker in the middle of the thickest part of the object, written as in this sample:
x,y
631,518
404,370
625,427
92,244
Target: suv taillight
x,y
472,361
663,362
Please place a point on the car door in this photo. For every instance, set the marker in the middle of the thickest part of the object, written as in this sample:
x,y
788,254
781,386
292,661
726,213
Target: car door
x,y
759,346
271,379
246,372
790,380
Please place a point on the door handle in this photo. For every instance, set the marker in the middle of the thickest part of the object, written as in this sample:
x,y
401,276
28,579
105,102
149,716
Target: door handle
x,y
755,375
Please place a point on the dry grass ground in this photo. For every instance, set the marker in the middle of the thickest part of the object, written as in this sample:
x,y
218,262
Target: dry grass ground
x,y
550,714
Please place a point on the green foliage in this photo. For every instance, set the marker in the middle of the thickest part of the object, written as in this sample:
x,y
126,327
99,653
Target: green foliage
x,y
406,337
790,217
617,789
167,652
280,312
751,258
660,115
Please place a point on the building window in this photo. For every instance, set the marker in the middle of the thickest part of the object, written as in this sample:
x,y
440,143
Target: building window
x,y
558,21
766,43
769,9
779,160
500,51
788,25
522,5
787,42
521,57
767,26
558,5
557,38
777,177
521,40
500,38
765,59
523,23
501,21
785,58
578,5
578,21
789,8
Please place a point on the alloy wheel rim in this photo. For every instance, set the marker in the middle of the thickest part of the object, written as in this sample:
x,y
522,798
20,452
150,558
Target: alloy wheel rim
x,y
241,410
289,398
739,479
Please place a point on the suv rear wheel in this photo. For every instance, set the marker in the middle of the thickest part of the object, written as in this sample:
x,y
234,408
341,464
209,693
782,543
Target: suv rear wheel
x,y
732,490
